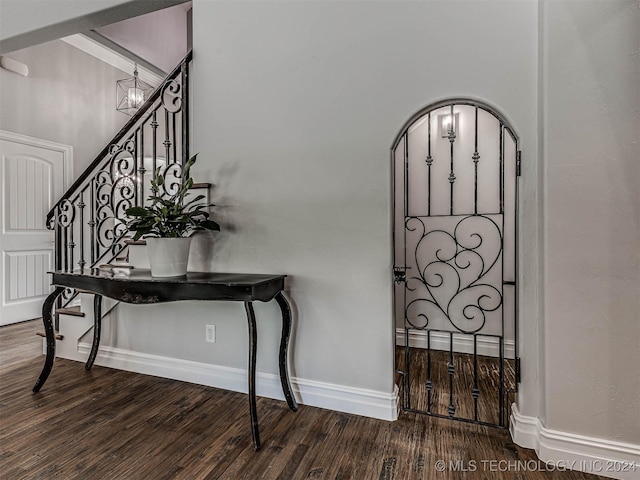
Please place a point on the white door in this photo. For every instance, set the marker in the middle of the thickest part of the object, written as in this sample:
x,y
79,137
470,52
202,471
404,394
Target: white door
x,y
32,178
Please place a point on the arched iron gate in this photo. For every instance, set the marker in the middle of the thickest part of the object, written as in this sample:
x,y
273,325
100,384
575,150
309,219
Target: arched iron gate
x,y
456,165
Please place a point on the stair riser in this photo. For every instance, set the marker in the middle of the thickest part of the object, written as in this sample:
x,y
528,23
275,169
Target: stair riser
x,y
76,329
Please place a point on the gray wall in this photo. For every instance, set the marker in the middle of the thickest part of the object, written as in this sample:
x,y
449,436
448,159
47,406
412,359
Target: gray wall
x,y
158,37
24,23
68,97
295,131
591,97
296,108
19,16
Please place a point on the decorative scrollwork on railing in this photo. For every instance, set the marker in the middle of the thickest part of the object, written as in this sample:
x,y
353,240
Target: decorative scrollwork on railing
x,y
66,213
122,159
172,174
452,270
68,293
171,96
89,220
103,209
104,233
124,178
103,185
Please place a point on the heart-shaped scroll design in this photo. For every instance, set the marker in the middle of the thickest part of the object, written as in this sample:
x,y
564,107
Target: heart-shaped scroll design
x,y
451,268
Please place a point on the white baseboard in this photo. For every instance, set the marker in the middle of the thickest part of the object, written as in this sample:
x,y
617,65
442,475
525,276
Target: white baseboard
x,y
368,403
487,346
577,452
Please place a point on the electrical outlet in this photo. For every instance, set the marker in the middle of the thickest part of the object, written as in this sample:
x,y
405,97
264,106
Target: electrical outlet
x,y
211,334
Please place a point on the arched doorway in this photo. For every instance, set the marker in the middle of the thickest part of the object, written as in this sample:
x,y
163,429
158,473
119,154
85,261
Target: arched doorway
x,y
455,169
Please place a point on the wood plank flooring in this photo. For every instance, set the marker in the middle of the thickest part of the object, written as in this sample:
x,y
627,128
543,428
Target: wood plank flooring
x,y
483,374
111,424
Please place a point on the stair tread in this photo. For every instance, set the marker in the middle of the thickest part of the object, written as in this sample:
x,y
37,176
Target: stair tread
x,y
74,311
58,336
135,242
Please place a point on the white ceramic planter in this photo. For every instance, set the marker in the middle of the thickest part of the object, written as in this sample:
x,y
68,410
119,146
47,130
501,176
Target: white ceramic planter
x,y
168,257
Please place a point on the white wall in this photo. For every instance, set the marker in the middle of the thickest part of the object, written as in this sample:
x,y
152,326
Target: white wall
x,y
68,97
592,218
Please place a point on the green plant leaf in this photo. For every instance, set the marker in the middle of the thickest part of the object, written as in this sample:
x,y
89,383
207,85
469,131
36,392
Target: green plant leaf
x,y
174,214
137,212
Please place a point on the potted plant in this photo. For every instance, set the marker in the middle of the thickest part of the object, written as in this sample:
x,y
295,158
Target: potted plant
x,y
167,221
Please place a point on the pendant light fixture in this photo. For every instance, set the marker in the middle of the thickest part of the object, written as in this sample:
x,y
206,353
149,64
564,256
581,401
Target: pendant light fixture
x,y
131,93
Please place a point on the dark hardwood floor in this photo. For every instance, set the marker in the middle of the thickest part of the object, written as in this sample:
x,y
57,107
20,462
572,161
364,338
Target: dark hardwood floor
x,y
111,424
484,374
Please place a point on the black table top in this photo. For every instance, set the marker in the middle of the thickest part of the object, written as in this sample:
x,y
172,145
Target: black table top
x,y
138,286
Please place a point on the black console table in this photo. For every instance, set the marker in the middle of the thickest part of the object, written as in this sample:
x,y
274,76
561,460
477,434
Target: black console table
x,y
139,287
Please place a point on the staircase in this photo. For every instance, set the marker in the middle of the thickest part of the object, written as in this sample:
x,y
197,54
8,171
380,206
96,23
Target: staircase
x,y
88,219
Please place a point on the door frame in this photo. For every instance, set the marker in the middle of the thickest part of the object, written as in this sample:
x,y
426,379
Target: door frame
x,y
65,150
397,274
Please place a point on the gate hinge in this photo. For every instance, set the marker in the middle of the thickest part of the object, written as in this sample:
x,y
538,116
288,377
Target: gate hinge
x,y
518,370
399,274
518,163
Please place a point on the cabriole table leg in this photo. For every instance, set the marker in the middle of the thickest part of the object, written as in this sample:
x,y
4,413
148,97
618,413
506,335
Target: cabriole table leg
x,y
97,328
284,348
47,318
251,317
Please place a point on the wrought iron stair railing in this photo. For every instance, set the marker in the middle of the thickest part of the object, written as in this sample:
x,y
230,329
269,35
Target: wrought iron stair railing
x,y
88,218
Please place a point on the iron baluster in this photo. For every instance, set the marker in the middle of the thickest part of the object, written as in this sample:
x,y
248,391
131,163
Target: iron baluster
x,y
501,393
429,161
174,139
57,240
141,170
81,205
502,312
429,380
406,379
516,268
58,262
66,249
72,246
476,158
501,179
452,176
184,71
406,175
154,142
475,392
167,141
451,370
407,363
92,222
137,161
